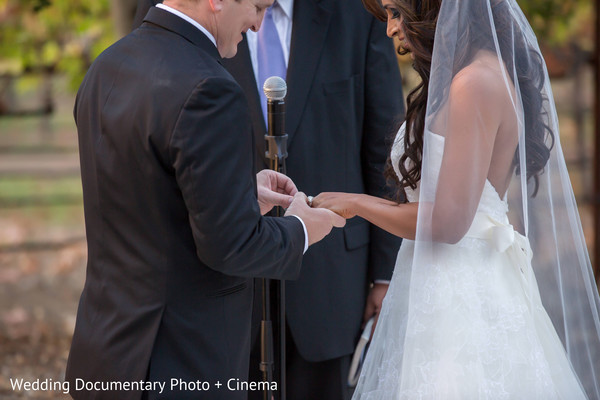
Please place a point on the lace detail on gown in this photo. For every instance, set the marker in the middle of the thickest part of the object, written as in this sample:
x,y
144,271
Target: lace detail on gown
x,y
476,328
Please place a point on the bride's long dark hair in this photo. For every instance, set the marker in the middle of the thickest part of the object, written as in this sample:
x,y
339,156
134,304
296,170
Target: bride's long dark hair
x,y
419,25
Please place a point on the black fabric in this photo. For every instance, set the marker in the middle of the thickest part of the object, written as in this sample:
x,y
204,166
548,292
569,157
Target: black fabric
x,y
173,226
343,104
306,380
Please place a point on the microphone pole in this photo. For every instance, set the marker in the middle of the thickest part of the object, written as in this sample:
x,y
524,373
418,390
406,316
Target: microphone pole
x,y
275,90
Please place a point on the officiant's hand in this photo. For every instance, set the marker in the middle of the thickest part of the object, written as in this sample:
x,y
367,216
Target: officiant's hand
x,y
318,221
374,302
274,189
343,204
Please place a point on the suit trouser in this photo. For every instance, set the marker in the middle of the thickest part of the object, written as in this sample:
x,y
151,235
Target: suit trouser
x,y
324,380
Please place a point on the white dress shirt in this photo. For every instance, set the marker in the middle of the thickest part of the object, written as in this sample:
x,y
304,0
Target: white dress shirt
x,y
190,20
282,17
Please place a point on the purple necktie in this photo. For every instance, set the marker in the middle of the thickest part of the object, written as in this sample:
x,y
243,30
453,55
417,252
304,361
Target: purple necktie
x,y
270,55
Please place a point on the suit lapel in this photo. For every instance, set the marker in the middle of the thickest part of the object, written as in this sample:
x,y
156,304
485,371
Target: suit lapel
x,y
311,23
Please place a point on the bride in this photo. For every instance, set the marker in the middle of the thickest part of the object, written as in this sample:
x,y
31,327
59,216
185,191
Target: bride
x,y
492,295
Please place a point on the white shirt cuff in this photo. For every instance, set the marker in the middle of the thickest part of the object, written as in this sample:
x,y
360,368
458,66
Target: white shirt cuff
x,y
305,233
382,281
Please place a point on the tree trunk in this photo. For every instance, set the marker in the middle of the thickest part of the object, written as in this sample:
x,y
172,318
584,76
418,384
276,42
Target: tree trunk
x,y
123,12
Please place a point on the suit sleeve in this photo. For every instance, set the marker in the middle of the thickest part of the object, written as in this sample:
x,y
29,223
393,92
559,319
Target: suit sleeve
x,y
384,108
211,151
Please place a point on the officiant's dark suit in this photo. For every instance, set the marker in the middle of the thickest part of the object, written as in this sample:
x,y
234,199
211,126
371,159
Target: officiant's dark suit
x,y
344,92
173,226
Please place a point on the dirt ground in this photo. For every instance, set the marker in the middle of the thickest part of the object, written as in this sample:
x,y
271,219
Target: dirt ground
x,y
42,248
38,293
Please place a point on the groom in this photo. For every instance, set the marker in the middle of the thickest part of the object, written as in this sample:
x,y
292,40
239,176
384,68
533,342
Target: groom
x,y
344,89
173,219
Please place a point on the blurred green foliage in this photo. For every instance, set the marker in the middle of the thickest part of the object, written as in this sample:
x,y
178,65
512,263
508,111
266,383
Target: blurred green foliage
x,y
22,188
66,35
561,22
53,35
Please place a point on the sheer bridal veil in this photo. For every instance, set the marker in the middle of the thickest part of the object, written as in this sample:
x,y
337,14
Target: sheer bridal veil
x,y
486,57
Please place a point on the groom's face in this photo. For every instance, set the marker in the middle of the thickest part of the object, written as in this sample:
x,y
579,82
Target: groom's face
x,y
235,18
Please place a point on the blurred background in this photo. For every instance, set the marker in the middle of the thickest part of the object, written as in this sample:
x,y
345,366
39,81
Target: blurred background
x,y
46,47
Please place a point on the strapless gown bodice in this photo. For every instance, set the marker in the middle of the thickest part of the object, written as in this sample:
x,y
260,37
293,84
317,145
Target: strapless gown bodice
x,y
490,203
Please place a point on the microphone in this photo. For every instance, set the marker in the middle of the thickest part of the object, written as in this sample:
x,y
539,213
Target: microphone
x,y
275,90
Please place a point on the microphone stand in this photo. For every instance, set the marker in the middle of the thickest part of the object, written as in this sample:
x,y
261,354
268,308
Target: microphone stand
x,y
275,90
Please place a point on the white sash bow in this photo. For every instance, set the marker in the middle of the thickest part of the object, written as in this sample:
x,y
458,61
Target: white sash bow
x,y
505,239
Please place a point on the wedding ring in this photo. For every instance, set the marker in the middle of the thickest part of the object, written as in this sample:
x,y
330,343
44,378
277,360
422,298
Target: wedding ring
x,y
310,200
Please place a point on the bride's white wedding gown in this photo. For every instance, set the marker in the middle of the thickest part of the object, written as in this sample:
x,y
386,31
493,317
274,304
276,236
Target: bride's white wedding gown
x,y
475,328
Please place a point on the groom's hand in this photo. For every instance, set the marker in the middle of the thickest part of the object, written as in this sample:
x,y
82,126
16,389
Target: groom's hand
x,y
318,221
274,189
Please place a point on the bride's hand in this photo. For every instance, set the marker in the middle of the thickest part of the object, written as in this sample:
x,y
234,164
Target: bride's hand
x,y
343,204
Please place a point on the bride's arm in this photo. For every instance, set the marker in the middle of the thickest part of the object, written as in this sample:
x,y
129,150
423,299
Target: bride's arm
x,y
478,104
475,112
397,219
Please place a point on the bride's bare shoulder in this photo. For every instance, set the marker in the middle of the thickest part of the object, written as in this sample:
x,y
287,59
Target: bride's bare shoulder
x,y
479,91
479,80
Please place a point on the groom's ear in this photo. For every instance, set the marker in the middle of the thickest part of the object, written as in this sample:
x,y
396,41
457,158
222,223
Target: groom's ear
x,y
216,5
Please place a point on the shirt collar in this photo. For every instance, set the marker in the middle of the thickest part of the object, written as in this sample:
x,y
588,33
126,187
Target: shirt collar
x,y
190,20
287,6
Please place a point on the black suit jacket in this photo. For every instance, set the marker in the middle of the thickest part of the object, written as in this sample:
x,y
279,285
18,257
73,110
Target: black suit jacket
x,y
173,226
343,102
